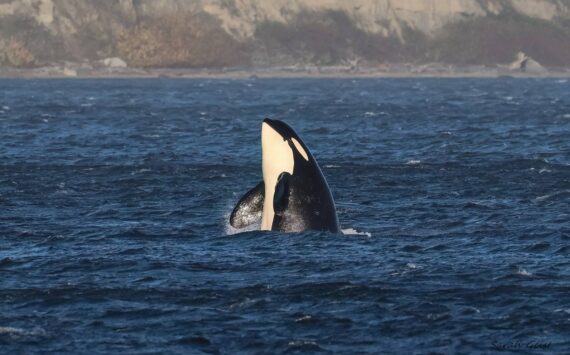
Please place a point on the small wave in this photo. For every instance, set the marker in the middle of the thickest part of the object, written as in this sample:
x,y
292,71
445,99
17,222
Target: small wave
x,y
306,345
247,302
523,272
552,195
562,81
229,230
6,261
567,115
304,318
413,162
141,171
352,231
18,333
409,268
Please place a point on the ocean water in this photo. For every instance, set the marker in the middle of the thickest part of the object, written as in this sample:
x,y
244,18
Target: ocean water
x,y
453,195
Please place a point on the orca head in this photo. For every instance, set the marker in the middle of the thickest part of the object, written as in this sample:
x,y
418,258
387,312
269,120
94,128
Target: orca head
x,y
273,131
281,148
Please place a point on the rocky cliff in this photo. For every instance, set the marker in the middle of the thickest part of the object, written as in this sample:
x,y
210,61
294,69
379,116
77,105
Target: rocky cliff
x,y
221,33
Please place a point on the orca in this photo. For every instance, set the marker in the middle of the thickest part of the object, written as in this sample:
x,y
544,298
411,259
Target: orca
x,y
294,195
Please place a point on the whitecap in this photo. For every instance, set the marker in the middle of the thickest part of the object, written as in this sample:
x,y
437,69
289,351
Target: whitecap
x,y
549,196
331,166
245,303
141,171
19,332
523,272
6,108
300,343
566,115
411,266
303,318
413,162
352,231
562,81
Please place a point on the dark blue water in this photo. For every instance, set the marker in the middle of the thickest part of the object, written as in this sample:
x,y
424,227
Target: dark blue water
x,y
454,196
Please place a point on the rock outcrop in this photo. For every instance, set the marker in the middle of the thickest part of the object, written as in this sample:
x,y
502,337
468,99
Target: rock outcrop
x,y
525,64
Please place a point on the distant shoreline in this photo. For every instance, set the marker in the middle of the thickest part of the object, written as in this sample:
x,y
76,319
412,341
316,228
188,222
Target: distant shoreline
x,y
267,73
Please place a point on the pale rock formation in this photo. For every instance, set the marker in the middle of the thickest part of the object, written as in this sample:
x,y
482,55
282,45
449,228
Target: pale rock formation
x,y
525,64
241,17
113,63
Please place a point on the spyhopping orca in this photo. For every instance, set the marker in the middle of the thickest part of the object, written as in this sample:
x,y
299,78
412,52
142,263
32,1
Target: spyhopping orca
x,y
294,195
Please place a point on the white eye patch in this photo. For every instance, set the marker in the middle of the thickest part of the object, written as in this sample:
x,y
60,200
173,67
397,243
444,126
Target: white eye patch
x,y
300,149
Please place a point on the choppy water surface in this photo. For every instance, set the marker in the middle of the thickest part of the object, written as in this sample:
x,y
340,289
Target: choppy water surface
x,y
454,194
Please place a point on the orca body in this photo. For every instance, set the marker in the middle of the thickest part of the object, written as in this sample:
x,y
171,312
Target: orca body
x,y
294,195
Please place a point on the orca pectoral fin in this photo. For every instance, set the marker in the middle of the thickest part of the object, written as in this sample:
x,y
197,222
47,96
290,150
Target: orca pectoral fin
x,y
281,196
249,208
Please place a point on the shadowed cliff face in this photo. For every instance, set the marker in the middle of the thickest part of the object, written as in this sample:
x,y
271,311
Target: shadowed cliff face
x,y
221,33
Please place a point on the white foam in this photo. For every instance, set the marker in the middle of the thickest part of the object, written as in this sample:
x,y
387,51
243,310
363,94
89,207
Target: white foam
x,y
413,162
19,332
300,343
352,231
303,318
549,196
523,272
141,171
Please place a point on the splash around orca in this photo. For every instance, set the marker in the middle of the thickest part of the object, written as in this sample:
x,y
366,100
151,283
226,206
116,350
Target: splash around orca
x,y
294,195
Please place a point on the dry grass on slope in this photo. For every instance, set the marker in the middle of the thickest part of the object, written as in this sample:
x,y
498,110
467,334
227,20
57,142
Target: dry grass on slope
x,y
179,40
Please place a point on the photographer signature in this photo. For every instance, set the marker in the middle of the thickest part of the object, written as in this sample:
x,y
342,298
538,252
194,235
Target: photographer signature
x,y
519,345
